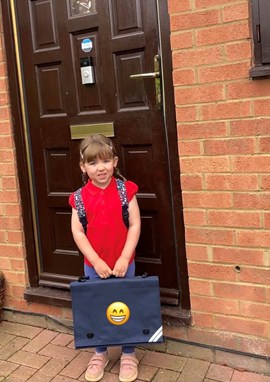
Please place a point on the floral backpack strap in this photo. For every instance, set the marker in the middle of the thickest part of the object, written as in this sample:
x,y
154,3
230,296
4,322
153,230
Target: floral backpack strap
x,y
124,200
80,208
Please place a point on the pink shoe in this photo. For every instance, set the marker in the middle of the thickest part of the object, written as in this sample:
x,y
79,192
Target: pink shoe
x,y
128,368
96,366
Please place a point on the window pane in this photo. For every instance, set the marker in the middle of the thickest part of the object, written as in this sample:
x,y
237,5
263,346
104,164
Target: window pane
x,y
82,7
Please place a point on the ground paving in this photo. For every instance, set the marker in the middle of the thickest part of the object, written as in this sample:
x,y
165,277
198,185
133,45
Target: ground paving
x,y
37,354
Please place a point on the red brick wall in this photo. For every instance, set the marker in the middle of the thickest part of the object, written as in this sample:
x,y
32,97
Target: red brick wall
x,y
224,142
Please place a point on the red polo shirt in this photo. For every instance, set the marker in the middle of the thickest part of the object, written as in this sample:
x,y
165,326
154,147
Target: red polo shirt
x,y
106,230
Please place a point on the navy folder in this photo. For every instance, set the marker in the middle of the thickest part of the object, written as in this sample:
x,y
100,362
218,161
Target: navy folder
x,y
116,311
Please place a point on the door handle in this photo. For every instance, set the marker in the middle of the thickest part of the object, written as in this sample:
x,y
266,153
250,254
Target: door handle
x,y
156,76
145,75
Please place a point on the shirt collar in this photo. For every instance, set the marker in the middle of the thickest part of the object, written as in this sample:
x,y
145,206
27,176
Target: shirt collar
x,y
93,190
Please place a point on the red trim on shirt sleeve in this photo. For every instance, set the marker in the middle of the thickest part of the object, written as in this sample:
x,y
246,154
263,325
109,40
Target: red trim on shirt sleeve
x,y
71,200
131,188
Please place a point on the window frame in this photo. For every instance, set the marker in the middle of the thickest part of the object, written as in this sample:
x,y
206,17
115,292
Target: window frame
x,y
259,69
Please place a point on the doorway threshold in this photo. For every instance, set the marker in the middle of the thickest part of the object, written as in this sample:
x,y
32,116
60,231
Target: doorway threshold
x,y
172,315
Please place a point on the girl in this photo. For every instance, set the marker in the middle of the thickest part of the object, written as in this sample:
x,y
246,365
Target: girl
x,y
108,246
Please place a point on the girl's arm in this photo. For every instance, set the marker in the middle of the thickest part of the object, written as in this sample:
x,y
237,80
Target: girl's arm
x,y
86,248
133,235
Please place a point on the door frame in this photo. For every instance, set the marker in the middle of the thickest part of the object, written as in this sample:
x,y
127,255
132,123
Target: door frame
x,y
18,110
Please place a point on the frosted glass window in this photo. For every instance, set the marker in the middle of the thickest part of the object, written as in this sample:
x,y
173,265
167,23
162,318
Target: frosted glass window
x,y
82,7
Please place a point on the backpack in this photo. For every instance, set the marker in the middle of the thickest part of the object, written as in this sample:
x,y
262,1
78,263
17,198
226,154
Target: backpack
x,y
123,198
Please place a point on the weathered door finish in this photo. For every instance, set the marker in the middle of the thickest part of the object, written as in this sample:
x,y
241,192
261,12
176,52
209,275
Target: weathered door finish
x,y
124,38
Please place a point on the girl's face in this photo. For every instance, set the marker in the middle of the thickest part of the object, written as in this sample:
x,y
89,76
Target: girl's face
x,y
100,171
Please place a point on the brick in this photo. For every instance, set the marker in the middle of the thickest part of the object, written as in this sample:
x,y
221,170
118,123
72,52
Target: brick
x,y
9,197
166,375
5,338
238,51
257,239
198,94
266,219
59,378
6,368
12,347
244,326
12,209
62,339
223,72
240,291
167,361
198,19
189,351
256,310
248,88
245,376
238,255
186,113
192,58
223,33
35,361
77,366
234,219
205,165
226,110
17,264
212,272
215,305
22,374
232,182
219,373
58,352
210,3
194,371
230,146
40,341
191,182
235,12
197,252
250,127
251,164
264,145
200,287
207,200
209,236
202,130
184,77
20,330
197,218
181,40
178,6
203,320
251,201
261,107
265,182
186,148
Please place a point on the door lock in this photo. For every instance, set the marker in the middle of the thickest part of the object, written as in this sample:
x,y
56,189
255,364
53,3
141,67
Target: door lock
x,y
157,76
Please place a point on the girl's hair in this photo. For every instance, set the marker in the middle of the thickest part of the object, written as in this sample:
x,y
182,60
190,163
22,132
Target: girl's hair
x,y
97,146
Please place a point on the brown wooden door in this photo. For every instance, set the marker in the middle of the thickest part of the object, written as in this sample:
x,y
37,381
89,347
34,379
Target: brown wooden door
x,y
125,38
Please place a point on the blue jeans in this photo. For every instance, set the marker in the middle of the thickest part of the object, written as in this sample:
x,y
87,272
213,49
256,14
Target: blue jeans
x,y
92,274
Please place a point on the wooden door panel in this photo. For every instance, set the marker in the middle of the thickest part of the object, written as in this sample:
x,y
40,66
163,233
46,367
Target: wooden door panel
x,y
43,25
125,40
50,89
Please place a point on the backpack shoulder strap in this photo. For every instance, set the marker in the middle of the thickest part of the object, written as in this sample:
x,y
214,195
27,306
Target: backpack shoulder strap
x,y
124,200
80,208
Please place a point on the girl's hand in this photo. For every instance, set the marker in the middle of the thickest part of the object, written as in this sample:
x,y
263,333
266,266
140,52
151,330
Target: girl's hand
x,y
102,269
120,267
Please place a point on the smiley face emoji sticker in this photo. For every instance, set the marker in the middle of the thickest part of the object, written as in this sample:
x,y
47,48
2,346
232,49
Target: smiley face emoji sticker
x,y
118,313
